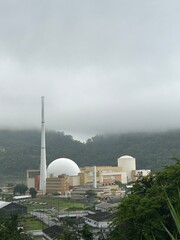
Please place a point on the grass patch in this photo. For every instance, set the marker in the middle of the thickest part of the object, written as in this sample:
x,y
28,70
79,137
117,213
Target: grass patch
x,y
52,202
30,222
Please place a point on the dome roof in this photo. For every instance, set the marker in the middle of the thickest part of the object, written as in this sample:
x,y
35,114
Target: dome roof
x,y
62,166
126,156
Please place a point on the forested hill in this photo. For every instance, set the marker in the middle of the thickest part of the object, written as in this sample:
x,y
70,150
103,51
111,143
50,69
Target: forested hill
x,y
20,150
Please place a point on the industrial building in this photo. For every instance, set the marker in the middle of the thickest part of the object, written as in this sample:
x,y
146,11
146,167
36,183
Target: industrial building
x,y
100,220
58,184
104,175
63,174
33,178
10,208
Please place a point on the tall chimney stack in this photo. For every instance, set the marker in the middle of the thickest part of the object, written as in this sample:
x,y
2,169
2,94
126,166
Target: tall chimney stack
x,y
43,151
94,177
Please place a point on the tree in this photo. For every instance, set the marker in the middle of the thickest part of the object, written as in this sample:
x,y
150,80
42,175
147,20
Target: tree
x,y
143,213
176,217
86,233
70,231
8,227
20,188
33,192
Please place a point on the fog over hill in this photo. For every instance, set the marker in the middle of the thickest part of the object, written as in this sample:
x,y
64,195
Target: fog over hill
x,y
103,66
20,150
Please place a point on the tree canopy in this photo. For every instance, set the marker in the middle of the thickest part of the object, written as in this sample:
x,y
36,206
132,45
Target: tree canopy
x,y
20,150
33,192
20,188
9,228
144,213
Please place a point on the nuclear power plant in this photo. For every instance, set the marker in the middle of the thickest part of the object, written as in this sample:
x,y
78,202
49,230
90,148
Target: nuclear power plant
x,y
63,175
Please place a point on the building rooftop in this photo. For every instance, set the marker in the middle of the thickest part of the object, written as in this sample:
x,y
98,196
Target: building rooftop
x,y
106,205
103,205
3,204
53,231
101,216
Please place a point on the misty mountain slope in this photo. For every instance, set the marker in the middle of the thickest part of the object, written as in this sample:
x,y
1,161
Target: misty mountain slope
x,y
151,151
20,150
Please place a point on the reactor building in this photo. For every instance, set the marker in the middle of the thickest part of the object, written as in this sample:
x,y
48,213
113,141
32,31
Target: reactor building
x,y
64,174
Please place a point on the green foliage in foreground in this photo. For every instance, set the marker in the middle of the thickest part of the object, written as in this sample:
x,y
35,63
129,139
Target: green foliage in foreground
x,y
8,228
72,232
176,217
145,214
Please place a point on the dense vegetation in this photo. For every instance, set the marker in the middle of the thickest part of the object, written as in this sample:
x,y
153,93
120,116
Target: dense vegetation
x,y
20,150
145,213
9,228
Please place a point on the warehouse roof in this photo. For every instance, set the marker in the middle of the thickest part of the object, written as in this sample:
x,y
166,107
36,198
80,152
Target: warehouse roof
x,y
3,204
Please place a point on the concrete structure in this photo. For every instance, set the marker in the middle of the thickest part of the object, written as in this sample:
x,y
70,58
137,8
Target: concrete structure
x,y
87,177
32,178
128,164
73,214
58,184
53,232
43,152
106,207
140,172
100,220
89,192
104,175
62,166
74,181
79,192
11,208
94,175
21,197
143,172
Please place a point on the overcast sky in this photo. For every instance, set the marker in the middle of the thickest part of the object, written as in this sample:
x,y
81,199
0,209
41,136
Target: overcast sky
x,y
102,65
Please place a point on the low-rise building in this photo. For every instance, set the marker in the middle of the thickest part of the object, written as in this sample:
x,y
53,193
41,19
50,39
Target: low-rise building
x,y
33,178
140,172
53,233
106,207
100,220
103,192
104,175
11,208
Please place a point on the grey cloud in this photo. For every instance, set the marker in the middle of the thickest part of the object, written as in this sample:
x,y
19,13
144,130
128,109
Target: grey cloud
x,y
102,65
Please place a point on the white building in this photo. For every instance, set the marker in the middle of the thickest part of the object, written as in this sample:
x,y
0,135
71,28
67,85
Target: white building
x,y
62,166
100,220
128,165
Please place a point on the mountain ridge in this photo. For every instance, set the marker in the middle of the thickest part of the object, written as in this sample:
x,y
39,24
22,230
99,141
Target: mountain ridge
x,y
20,149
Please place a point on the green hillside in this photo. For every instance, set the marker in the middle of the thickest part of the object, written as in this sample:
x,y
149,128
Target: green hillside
x,y
20,150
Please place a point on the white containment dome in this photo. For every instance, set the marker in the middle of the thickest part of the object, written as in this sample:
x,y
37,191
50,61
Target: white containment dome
x,y
62,166
128,164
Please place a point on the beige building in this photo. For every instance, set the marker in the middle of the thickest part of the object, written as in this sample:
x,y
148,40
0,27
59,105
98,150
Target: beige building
x,y
58,184
74,181
104,175
32,179
85,192
64,175
141,172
